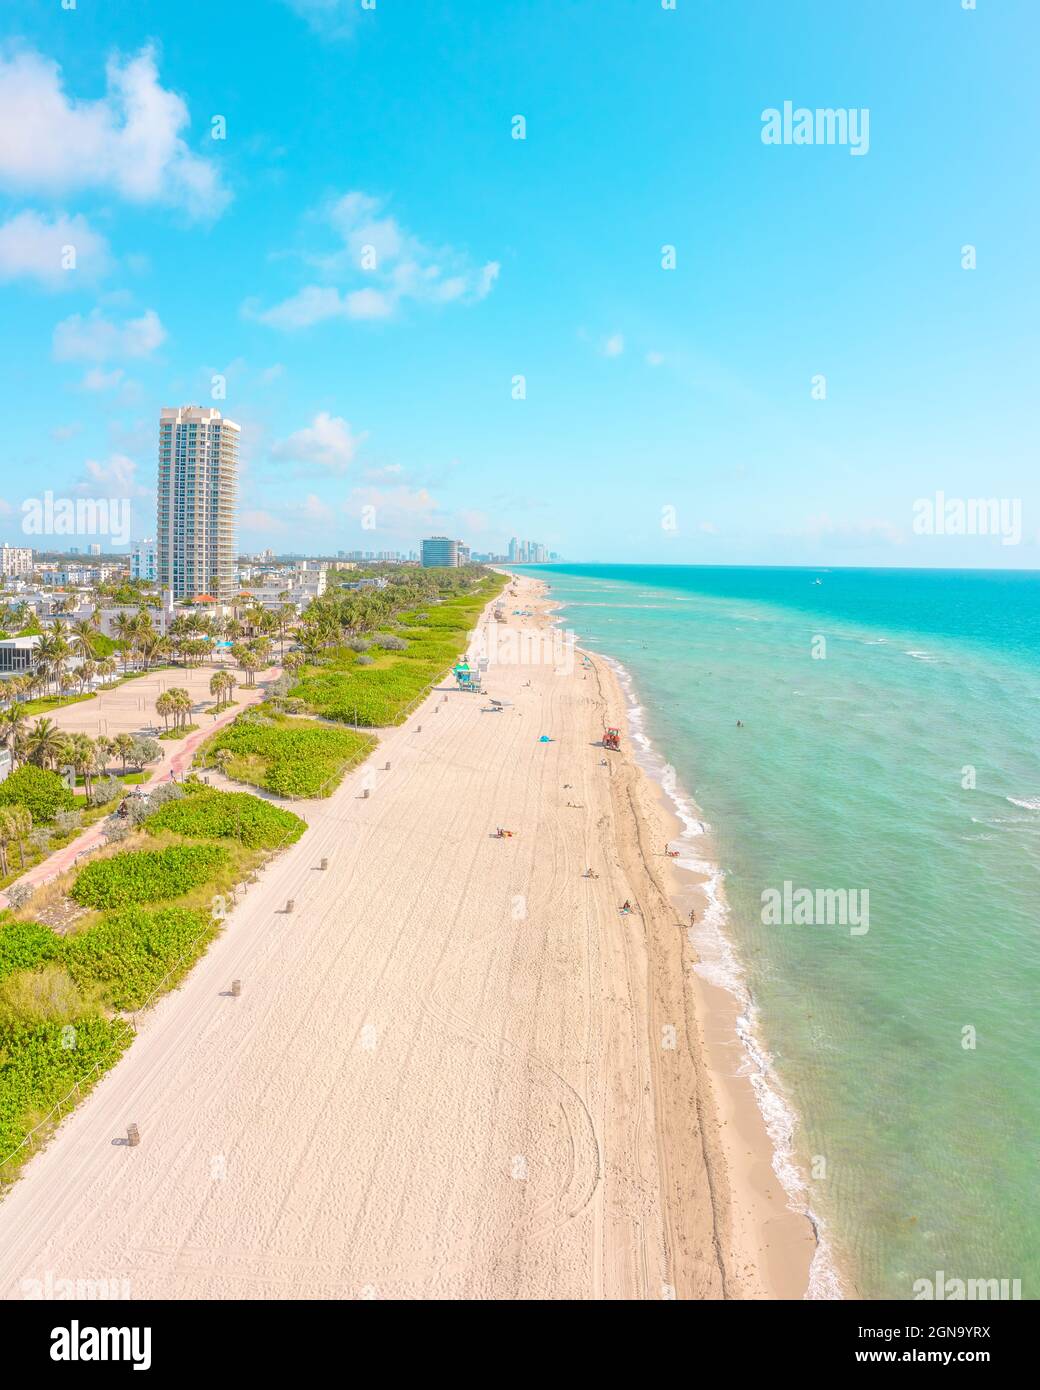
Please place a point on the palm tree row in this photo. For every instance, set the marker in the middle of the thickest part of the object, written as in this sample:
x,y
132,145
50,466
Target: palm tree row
x,y
174,704
221,684
46,746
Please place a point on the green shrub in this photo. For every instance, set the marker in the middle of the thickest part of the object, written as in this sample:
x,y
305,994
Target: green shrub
x,y
208,814
147,876
290,757
26,944
39,1065
130,952
41,791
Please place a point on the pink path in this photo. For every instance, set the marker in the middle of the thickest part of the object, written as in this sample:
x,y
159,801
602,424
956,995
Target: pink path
x,y
178,762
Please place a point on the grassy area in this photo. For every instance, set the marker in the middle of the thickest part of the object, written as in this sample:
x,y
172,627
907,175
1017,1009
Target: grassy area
x,y
286,755
46,703
127,778
159,894
182,732
379,691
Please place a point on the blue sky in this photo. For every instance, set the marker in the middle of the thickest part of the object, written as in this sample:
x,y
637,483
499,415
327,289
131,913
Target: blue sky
x,y
683,397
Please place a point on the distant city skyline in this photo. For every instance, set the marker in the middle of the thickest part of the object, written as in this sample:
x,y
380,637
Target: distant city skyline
x,y
705,349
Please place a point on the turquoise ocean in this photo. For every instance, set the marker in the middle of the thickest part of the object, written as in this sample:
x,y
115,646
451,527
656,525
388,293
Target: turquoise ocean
x,y
890,744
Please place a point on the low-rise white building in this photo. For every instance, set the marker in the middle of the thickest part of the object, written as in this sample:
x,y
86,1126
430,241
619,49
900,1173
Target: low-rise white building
x,y
15,559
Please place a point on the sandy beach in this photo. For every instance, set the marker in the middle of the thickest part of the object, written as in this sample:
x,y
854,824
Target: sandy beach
x,y
455,1070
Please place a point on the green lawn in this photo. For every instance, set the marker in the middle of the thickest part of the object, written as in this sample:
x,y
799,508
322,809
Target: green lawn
x,y
46,703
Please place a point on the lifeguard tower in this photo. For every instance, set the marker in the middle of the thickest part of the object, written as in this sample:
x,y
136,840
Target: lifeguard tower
x,y
466,677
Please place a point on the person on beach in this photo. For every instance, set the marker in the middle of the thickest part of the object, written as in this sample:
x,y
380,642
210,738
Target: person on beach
x,y
693,917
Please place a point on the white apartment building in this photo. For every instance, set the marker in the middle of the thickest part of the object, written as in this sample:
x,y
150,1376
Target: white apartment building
x,y
144,562
197,491
15,559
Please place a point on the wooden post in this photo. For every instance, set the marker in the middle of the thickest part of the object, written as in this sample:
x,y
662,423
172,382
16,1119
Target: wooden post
x,y
236,988
133,1137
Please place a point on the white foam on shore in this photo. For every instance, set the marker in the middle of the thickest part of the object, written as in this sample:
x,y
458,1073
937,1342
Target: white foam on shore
x,y
719,965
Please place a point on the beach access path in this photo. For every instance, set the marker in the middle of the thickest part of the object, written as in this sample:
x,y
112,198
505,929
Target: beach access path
x,y
129,719
445,1076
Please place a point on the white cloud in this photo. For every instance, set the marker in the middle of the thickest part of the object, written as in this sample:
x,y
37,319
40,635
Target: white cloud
x,y
327,443
314,304
654,359
59,253
379,265
97,339
116,477
97,380
127,141
332,19
613,346
384,473
396,509
259,520
855,532
314,510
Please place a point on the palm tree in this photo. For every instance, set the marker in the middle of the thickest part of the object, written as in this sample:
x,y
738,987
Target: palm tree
x,y
182,704
216,686
13,726
86,673
21,823
8,833
124,629
105,748
107,667
284,617
44,742
79,750
46,649
124,744
165,706
83,634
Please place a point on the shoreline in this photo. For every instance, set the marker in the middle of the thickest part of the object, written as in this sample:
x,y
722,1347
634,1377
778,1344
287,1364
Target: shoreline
x,y
461,1074
776,1233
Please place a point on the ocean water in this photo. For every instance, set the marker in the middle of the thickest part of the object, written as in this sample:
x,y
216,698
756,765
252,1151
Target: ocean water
x,y
890,746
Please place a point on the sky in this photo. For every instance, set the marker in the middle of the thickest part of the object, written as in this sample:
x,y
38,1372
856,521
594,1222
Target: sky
x,y
317,216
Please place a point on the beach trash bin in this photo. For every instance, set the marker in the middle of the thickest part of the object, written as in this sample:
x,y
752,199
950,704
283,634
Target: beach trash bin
x,y
325,863
133,1136
367,793
290,904
387,768
236,988
418,728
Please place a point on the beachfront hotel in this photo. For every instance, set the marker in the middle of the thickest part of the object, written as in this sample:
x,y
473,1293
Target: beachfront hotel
x,y
440,552
197,484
